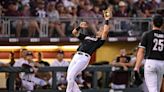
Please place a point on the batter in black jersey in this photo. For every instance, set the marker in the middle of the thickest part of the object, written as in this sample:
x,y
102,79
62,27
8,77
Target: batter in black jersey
x,y
152,49
87,46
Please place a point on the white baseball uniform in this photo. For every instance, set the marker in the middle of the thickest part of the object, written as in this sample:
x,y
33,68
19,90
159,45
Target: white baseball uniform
x,y
153,43
28,80
77,65
59,75
81,59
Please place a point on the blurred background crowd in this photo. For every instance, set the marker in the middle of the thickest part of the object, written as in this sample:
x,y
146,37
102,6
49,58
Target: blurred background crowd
x,y
57,18
69,11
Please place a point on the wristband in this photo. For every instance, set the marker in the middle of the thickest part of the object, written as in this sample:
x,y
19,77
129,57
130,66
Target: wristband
x,y
107,22
78,28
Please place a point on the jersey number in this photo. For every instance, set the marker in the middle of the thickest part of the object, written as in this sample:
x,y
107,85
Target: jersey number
x,y
159,45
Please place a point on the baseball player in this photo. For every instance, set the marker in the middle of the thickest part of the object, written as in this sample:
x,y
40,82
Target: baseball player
x,y
152,46
60,62
87,47
28,80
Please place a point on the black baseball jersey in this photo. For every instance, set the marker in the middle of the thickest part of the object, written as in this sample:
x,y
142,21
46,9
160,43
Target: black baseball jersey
x,y
153,42
89,44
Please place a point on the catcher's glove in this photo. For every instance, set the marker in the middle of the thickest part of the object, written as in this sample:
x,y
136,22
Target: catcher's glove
x,y
136,78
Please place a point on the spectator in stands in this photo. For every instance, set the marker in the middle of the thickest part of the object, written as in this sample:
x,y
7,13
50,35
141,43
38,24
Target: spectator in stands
x,y
73,22
12,11
1,14
161,4
68,4
53,16
115,4
140,6
26,10
102,4
130,8
147,13
87,12
40,12
1,8
122,12
29,24
64,14
16,9
24,2
153,5
97,11
61,76
122,63
74,16
80,6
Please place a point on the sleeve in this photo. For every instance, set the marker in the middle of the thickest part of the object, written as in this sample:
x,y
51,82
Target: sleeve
x,y
81,36
52,64
118,59
67,63
100,43
17,64
143,42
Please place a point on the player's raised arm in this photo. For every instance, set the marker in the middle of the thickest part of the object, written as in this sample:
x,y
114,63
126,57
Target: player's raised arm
x,y
82,25
107,16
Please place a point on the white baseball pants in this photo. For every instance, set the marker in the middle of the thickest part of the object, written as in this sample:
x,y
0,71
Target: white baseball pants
x,y
77,65
34,81
153,72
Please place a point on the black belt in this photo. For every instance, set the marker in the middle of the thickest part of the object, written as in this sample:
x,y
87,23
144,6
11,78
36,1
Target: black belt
x,y
27,80
81,53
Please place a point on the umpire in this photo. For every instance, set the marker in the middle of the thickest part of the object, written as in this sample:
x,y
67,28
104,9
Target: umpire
x,y
151,48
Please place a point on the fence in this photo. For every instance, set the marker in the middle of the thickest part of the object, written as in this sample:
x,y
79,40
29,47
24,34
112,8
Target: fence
x,y
129,26
104,68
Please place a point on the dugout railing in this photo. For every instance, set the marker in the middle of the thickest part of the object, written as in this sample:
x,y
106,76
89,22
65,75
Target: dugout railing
x,y
106,69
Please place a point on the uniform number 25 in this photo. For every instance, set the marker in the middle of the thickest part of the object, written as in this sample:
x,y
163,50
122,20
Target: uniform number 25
x,y
159,44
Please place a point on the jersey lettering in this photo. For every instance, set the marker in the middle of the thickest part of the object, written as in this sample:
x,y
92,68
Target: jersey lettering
x,y
158,44
91,38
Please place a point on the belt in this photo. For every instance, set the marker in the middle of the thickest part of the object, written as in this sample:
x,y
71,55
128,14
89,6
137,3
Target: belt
x,y
83,53
27,80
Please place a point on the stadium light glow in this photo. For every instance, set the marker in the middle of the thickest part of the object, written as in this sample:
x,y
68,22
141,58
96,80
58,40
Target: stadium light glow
x,y
9,48
69,47
40,48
